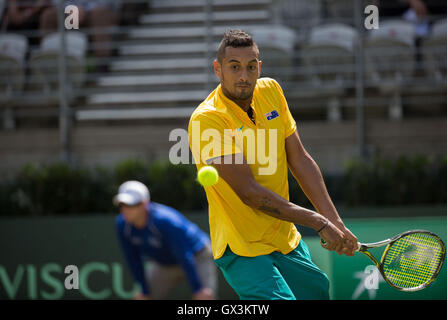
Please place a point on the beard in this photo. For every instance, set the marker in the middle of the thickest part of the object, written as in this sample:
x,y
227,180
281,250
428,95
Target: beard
x,y
238,93
243,94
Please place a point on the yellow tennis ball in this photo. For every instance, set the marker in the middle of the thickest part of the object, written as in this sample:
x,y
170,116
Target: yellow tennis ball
x,y
207,176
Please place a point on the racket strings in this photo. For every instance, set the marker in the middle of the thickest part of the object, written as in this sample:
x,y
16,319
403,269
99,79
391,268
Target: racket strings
x,y
413,260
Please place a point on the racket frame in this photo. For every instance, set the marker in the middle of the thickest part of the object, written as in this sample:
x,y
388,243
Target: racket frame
x,y
363,248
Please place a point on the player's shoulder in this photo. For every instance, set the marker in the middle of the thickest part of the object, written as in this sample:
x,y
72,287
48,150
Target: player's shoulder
x,y
209,115
270,89
163,214
268,84
204,109
213,107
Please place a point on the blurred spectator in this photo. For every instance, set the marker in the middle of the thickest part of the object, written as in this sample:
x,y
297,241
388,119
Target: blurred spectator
x,y
23,15
131,10
432,9
421,13
177,248
98,15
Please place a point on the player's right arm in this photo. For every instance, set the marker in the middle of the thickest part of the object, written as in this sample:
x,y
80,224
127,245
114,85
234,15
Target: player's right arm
x,y
240,178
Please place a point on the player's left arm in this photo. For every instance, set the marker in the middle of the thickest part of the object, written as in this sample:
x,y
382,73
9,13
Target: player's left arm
x,y
309,177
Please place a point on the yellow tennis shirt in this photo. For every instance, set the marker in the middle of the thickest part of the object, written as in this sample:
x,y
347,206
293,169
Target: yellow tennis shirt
x,y
218,127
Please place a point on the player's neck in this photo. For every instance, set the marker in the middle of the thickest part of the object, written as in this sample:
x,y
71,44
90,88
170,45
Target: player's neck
x,y
243,104
141,222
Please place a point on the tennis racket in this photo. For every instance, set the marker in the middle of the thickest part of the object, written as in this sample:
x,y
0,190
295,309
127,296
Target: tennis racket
x,y
411,260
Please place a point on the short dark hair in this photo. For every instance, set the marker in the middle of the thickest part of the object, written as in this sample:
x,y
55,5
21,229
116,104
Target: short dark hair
x,y
237,39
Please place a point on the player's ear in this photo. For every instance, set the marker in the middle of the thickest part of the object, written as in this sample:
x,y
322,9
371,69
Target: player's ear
x,y
217,69
145,204
259,68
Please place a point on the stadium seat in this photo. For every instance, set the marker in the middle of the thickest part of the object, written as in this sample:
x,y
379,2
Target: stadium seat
x,y
13,49
300,15
341,11
276,45
390,60
44,62
328,59
434,50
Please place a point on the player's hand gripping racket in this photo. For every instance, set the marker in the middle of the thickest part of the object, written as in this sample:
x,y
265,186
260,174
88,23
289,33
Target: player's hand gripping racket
x,y
411,260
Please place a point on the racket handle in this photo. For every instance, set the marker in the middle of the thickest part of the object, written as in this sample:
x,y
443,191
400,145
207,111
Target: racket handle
x,y
359,245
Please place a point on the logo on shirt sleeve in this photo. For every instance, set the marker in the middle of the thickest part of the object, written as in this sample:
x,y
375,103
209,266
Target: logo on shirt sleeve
x,y
272,115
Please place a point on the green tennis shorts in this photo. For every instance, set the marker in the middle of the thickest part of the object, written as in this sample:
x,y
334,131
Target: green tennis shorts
x,y
275,276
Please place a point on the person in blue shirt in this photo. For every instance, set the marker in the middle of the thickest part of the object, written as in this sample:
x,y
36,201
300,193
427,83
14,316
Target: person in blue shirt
x,y
177,248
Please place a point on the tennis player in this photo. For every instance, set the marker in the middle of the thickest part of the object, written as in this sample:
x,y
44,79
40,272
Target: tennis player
x,y
177,248
252,224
